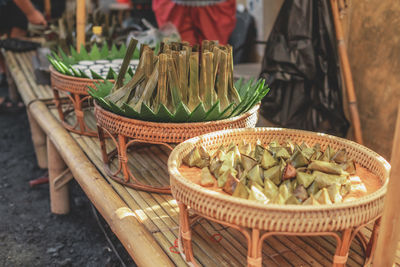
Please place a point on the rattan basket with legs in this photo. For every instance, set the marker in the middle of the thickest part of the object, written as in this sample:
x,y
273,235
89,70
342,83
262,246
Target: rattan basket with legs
x,y
258,221
125,132
76,102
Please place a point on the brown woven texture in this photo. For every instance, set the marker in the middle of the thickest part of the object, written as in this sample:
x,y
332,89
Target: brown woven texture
x,y
78,97
273,217
169,132
71,84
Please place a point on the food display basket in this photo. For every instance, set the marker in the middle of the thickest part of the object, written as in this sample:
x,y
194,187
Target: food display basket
x,y
257,221
78,100
125,132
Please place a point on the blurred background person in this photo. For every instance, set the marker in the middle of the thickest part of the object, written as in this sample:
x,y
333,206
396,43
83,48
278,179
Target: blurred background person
x,y
198,20
14,17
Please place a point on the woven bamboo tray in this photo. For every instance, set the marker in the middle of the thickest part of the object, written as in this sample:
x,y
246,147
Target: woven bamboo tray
x,y
126,132
78,100
258,221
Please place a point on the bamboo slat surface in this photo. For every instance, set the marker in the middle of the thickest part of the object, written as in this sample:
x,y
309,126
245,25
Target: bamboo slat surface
x,y
22,70
155,220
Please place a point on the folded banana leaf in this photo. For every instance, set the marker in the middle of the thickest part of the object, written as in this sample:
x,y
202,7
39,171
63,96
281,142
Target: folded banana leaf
x,y
198,157
182,114
245,148
255,175
273,174
278,199
304,178
207,179
298,159
300,193
241,191
323,180
230,185
247,162
270,189
256,193
312,189
292,200
311,201
322,196
63,62
334,193
226,176
228,163
327,167
284,191
267,160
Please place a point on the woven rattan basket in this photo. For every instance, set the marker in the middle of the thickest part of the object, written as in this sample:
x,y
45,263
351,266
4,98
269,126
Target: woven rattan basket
x,y
77,100
275,218
126,131
169,132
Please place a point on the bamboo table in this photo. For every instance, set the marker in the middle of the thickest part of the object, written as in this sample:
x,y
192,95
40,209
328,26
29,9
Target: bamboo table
x,y
147,223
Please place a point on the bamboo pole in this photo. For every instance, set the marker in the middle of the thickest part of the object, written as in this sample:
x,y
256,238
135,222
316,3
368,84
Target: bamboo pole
x,y
389,234
39,142
47,9
139,243
23,86
12,88
59,199
348,79
80,23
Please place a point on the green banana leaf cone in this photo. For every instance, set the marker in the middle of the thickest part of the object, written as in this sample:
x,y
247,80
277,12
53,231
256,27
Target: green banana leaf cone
x,y
179,84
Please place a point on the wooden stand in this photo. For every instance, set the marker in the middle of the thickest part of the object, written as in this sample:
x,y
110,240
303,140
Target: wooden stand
x,y
77,104
39,142
255,239
123,143
62,148
389,235
126,132
59,197
12,89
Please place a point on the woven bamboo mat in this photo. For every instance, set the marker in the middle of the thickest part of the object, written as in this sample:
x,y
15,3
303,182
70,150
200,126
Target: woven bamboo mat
x,y
213,244
21,68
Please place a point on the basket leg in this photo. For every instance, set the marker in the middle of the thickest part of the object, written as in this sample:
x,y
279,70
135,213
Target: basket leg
x,y
372,242
185,232
123,156
342,252
103,147
57,103
254,258
59,198
39,142
79,112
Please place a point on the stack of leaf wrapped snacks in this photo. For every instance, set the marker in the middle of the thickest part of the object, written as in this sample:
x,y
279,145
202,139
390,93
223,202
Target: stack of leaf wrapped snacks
x,y
181,83
98,63
276,173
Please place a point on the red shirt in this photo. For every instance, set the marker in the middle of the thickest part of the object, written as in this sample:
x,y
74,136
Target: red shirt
x,y
195,24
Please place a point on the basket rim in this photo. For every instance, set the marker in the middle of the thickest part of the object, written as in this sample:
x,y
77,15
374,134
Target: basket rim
x,y
176,175
55,72
172,124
